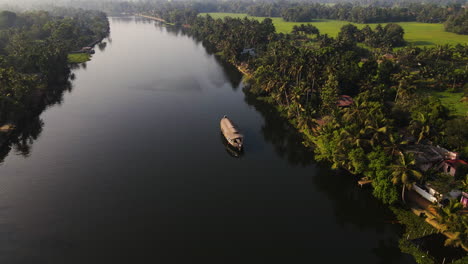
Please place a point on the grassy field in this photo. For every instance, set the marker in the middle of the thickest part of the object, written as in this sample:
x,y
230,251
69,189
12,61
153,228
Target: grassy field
x,y
418,34
78,57
452,101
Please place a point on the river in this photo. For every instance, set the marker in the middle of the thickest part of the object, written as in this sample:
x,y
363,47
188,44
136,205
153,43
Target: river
x,y
130,167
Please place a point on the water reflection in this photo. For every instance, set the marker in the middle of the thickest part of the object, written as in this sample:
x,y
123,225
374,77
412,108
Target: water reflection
x,y
231,73
102,46
233,152
285,139
352,206
145,192
29,129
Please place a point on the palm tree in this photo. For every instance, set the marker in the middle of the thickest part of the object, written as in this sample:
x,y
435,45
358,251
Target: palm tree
x,y
451,220
394,144
448,214
404,174
420,127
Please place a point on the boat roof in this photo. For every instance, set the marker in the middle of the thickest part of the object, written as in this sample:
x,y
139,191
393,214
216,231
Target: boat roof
x,y
230,129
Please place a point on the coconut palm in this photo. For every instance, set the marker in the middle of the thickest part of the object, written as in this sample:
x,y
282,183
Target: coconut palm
x,y
451,220
394,144
404,173
420,127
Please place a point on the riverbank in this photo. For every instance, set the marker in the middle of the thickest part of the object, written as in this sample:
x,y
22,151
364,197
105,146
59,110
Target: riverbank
x,y
427,211
304,83
41,96
155,18
267,207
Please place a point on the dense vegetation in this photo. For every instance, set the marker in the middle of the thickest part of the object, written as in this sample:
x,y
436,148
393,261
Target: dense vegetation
x,y
34,47
358,11
458,22
305,73
368,14
416,33
367,11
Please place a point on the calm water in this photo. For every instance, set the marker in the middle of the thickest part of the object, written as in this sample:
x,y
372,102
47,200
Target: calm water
x,y
130,168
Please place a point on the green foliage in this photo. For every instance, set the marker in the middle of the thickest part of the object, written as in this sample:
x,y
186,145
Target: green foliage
x,y
223,35
415,226
364,14
458,23
419,256
455,222
303,77
463,260
33,54
15,89
378,170
350,34
329,94
444,183
7,19
416,33
394,35
307,29
452,100
404,172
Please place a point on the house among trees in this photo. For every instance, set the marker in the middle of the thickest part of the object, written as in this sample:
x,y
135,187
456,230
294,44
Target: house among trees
x,y
427,156
344,101
439,160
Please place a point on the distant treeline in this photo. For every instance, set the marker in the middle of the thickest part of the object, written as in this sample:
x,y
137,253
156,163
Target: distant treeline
x,y
458,23
33,54
368,14
238,6
450,12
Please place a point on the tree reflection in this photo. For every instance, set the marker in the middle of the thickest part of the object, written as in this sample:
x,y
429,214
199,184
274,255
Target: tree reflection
x,y
230,72
29,129
276,130
102,46
351,204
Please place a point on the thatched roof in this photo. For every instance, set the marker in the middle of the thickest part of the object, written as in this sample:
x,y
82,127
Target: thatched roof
x,y
229,129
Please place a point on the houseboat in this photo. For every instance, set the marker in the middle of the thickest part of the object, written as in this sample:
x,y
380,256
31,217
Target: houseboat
x,y
231,133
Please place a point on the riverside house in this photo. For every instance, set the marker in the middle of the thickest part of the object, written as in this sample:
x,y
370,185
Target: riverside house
x,y
435,158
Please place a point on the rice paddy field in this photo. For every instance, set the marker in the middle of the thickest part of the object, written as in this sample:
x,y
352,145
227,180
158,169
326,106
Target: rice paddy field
x,y
452,101
417,34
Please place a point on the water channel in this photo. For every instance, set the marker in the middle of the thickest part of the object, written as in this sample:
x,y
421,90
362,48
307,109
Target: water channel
x,y
130,167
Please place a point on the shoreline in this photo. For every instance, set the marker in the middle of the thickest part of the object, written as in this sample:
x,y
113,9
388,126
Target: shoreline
x,y
10,128
411,206
154,18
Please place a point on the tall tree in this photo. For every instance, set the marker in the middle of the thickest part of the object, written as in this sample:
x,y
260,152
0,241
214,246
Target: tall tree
x,y
404,173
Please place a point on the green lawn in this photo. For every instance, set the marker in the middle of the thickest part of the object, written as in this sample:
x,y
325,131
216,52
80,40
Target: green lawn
x,y
452,101
78,57
418,34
